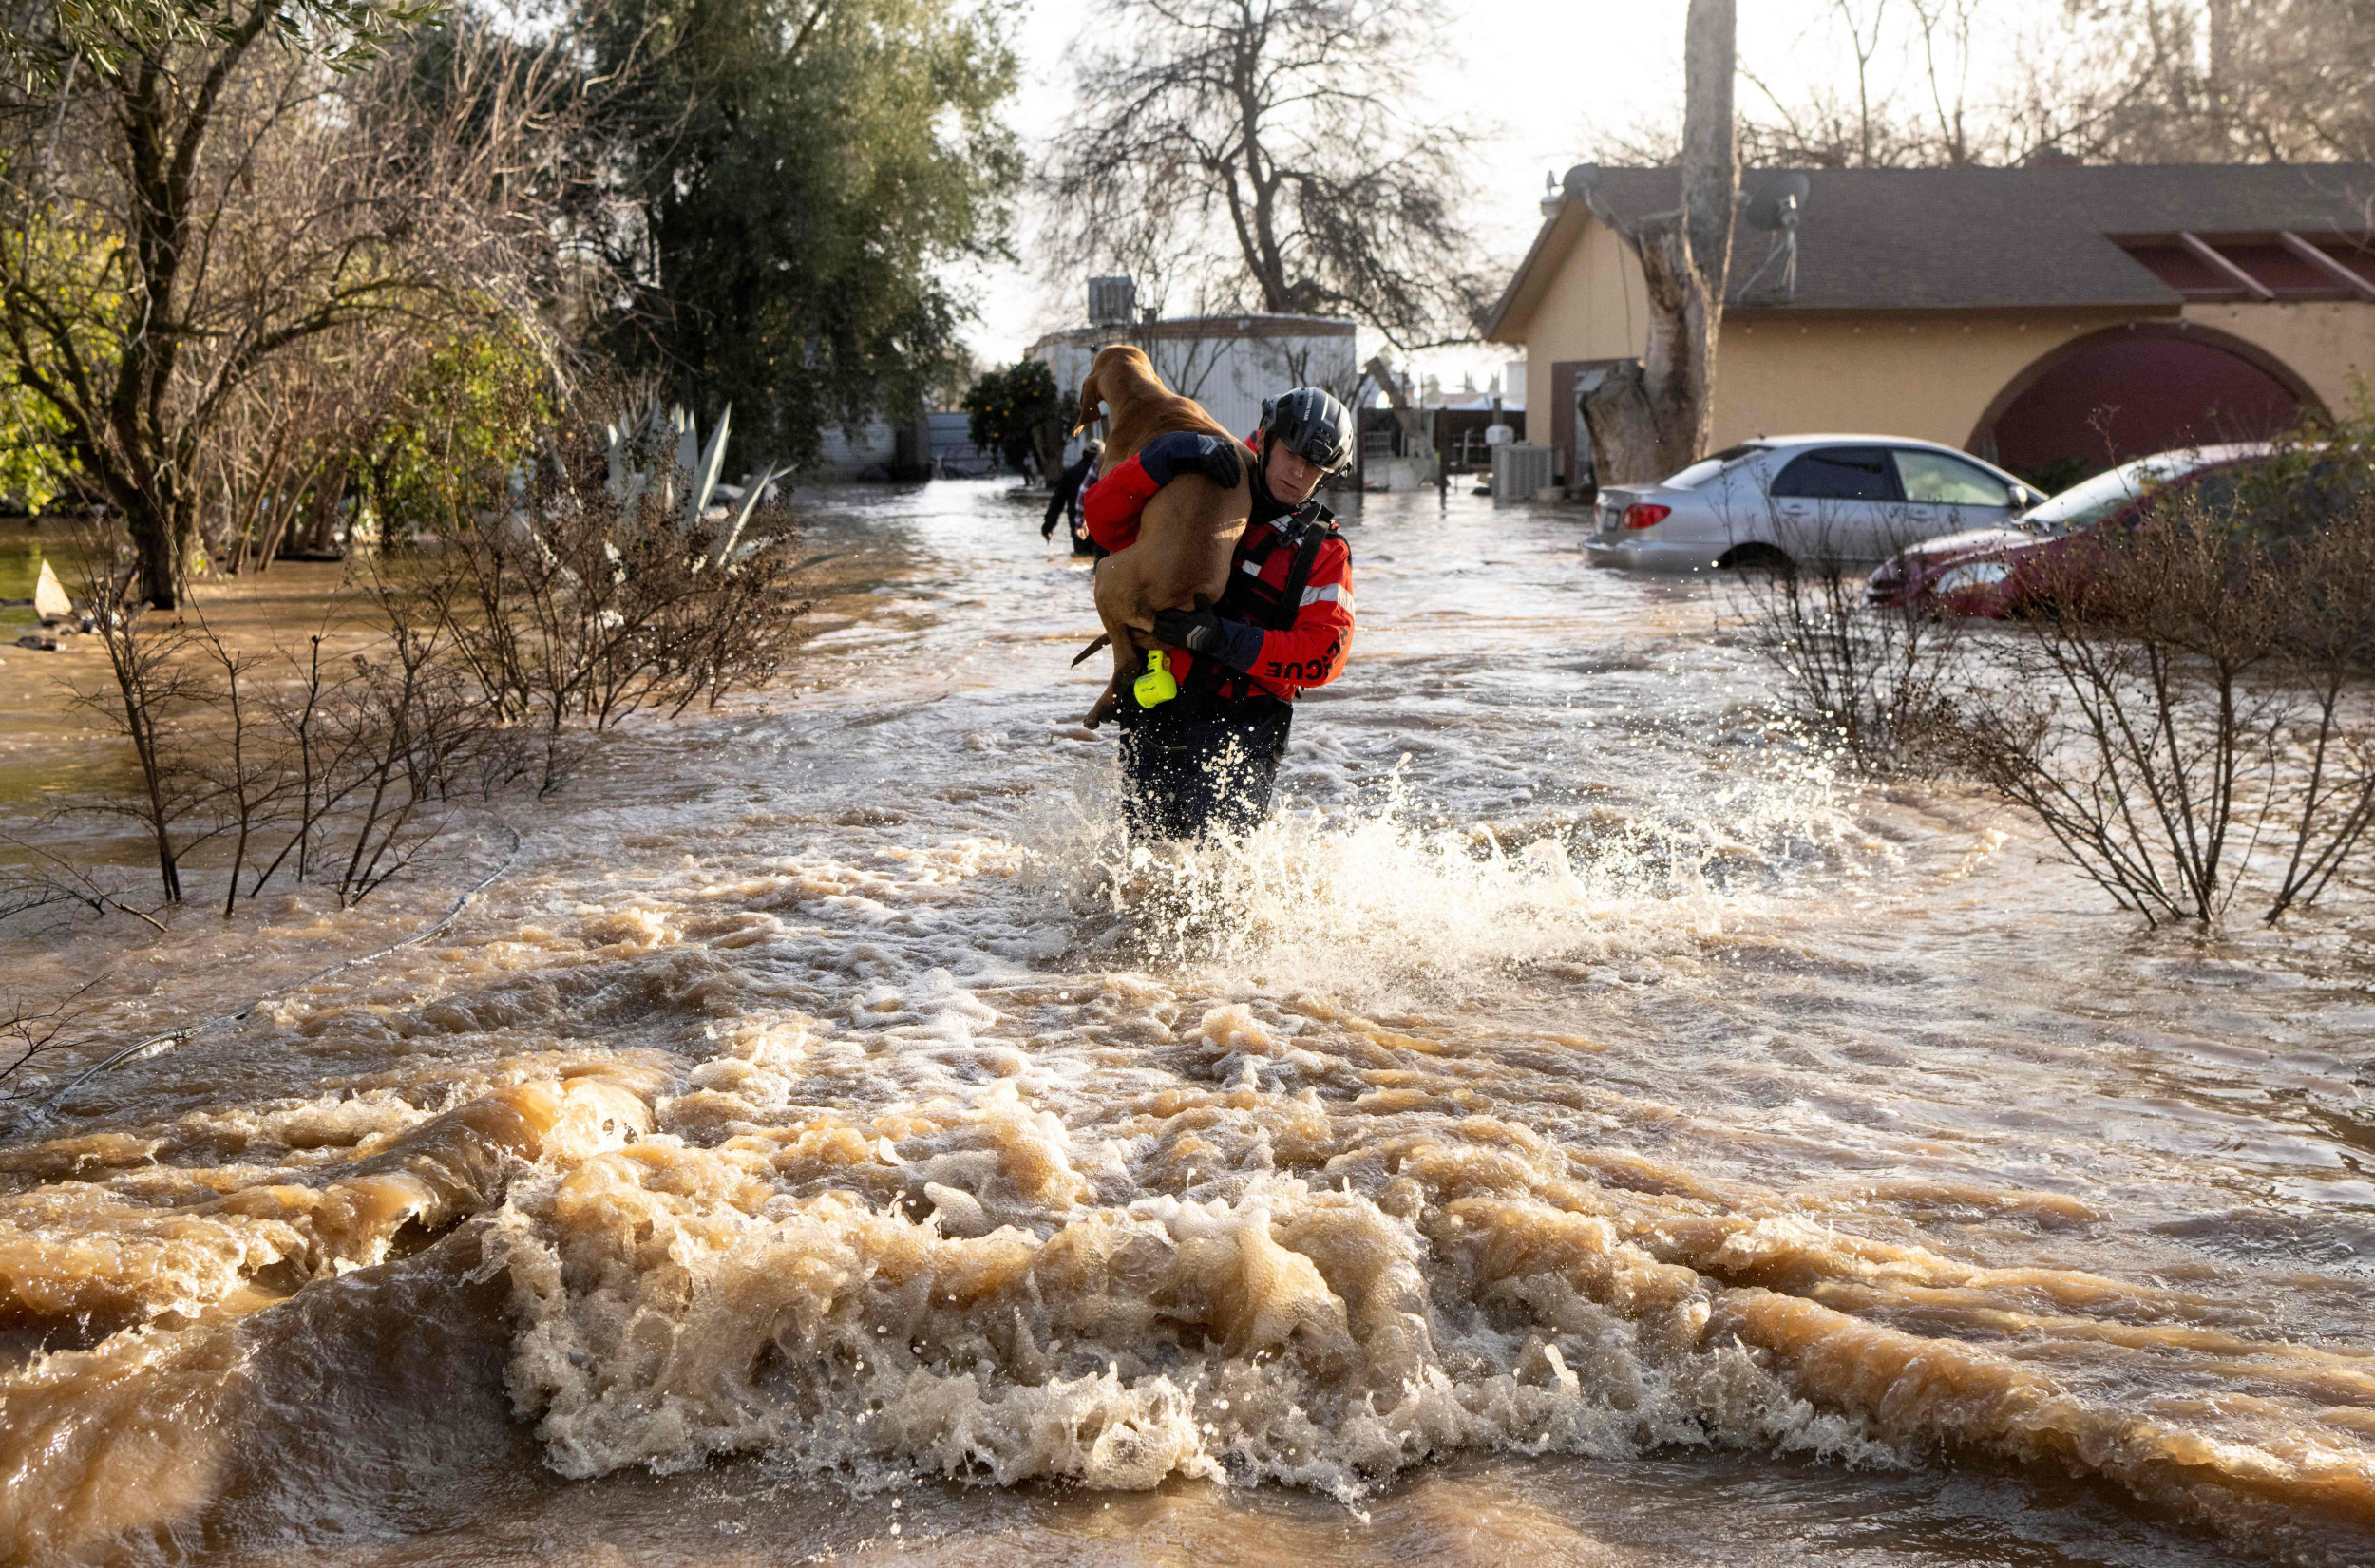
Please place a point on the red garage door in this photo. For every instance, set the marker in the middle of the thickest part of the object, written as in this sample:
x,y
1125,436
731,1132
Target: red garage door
x,y
2120,396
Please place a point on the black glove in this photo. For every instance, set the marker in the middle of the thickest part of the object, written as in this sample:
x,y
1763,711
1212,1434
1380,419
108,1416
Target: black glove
x,y
1166,457
1198,631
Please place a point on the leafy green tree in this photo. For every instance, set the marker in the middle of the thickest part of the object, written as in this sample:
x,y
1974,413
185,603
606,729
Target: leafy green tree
x,y
467,420
1013,413
105,35
799,173
32,469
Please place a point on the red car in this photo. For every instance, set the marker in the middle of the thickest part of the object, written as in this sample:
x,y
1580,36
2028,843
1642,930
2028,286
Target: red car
x,y
1999,572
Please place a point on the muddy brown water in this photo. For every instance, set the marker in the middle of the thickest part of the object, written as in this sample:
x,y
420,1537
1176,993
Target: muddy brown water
x,y
1580,1129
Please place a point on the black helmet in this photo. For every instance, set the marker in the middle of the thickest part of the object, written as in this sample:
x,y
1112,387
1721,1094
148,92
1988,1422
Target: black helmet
x,y
1312,425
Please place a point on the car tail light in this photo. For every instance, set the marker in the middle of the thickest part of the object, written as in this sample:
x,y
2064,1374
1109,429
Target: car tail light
x,y
1643,514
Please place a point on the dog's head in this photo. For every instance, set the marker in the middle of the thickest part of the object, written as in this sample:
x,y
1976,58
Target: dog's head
x,y
1119,372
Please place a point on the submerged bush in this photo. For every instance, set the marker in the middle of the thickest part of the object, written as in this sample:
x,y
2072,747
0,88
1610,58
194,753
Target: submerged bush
x,y
2187,712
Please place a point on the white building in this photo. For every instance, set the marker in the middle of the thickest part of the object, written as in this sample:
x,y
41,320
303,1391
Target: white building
x,y
1227,363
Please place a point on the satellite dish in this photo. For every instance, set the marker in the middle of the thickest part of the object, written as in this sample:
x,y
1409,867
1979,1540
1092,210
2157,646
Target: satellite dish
x,y
1776,205
1579,180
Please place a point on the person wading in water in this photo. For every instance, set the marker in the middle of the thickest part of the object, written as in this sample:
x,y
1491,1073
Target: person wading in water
x,y
1066,502
1202,736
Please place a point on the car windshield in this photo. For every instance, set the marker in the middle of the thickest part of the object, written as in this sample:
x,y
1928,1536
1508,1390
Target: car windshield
x,y
2084,505
1705,468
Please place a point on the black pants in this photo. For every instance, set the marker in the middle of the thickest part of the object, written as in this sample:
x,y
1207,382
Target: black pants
x,y
1195,766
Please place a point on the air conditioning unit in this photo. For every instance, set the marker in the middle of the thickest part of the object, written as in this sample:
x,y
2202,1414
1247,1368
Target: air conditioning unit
x,y
1112,301
1519,471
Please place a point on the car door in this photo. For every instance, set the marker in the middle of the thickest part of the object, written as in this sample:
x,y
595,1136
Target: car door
x,y
1945,495
1835,503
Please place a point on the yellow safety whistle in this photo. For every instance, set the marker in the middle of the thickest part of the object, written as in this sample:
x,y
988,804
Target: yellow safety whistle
x,y
1158,685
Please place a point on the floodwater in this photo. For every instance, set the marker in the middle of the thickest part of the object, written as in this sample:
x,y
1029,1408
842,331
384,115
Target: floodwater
x,y
1580,1129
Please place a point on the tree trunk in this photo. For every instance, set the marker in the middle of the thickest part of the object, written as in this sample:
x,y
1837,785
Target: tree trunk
x,y
320,532
1623,436
1686,257
2223,97
164,552
1711,182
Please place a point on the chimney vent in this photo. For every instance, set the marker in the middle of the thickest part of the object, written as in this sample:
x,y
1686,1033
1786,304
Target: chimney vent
x,y
1112,301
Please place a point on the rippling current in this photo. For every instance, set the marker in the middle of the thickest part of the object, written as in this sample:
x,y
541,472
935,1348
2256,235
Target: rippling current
x,y
1579,1129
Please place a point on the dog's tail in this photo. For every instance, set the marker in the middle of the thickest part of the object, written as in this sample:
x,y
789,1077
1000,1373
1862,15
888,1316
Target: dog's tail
x,y
1103,639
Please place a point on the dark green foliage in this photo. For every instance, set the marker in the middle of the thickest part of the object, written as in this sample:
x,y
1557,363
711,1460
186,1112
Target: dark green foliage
x,y
2317,472
1013,410
465,421
799,172
104,35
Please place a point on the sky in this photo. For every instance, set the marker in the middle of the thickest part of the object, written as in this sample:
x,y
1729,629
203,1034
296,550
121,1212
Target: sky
x,y
1538,81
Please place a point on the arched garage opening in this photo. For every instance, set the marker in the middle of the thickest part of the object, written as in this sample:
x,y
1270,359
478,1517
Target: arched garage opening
x,y
2121,393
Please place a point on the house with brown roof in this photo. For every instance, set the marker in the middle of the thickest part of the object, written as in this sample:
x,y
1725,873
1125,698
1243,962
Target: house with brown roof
x,y
2050,319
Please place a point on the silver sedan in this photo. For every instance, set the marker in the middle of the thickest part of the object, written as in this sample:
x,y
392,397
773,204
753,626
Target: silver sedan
x,y
1803,500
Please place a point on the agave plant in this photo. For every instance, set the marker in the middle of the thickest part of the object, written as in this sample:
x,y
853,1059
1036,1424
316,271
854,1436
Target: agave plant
x,y
694,465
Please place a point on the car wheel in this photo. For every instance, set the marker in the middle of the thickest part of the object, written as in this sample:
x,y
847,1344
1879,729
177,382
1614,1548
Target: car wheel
x,y
1756,558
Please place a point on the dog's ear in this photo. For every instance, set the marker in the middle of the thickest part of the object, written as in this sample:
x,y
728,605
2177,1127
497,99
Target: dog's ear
x,y
1089,400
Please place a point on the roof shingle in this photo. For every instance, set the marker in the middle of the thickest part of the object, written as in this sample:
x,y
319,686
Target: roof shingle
x,y
1991,238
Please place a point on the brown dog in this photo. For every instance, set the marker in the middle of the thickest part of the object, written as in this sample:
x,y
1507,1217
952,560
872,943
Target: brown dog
x,y
1188,530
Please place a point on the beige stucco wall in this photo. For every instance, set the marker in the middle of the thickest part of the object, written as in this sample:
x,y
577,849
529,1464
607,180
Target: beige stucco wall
x,y
1928,376
2330,344
1594,308
1931,379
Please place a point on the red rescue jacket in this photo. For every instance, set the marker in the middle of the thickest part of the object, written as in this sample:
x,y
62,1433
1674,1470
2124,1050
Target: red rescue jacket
x,y
1311,647
1306,648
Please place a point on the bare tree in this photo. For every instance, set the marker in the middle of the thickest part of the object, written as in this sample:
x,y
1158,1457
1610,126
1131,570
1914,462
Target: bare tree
x,y
1265,148
277,473
225,201
152,695
2099,80
1873,126
1659,418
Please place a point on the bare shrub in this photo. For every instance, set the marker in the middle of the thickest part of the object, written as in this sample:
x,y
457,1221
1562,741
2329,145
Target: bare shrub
x,y
154,696
337,770
574,602
29,1032
2190,718
1874,683
2187,712
43,878
2325,790
412,730
497,632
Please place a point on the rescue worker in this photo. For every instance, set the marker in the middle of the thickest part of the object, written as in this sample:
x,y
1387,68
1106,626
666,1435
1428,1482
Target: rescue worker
x,y
1207,758
1075,481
